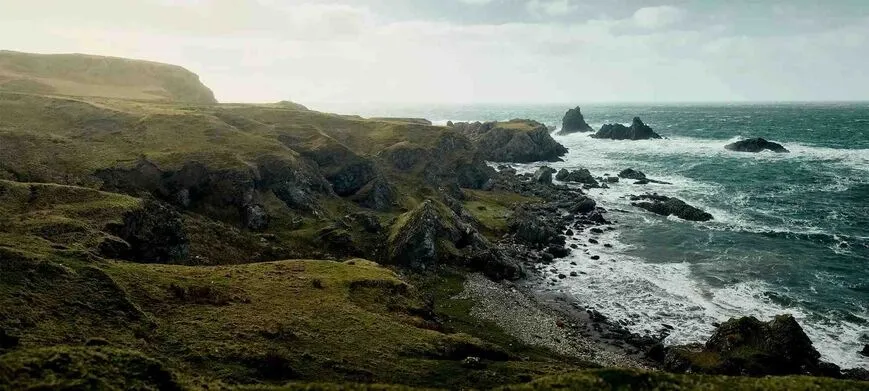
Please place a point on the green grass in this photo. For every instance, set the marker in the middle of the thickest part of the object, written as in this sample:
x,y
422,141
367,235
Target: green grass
x,y
617,379
84,75
493,208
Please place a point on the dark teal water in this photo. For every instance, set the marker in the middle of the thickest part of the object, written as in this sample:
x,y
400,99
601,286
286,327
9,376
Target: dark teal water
x,y
791,231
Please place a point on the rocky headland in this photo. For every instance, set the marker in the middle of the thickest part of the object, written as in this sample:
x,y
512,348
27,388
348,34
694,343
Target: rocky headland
x,y
155,243
516,141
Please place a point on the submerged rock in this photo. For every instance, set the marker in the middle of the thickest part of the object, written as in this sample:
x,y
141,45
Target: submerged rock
x,y
755,145
637,131
666,206
574,122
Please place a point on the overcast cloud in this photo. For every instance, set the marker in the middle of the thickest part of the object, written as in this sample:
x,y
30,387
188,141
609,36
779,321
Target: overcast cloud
x,y
492,51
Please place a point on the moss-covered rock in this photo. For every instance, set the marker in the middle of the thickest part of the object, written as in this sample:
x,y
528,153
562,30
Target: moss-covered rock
x,y
747,346
519,141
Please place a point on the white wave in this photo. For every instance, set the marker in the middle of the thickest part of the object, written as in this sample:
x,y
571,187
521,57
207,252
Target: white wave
x,y
580,145
646,296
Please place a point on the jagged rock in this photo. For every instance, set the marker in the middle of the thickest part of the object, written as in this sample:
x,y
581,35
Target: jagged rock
x,y
432,234
530,228
352,178
755,145
584,206
154,234
255,217
517,141
747,346
637,131
368,221
544,175
666,206
573,122
856,374
612,179
581,175
865,350
378,194
630,173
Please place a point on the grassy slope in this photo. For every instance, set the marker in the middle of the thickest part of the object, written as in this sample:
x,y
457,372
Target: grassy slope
x,y
255,325
85,75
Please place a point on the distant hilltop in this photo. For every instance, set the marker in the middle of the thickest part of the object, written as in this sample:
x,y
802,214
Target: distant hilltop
x,y
98,76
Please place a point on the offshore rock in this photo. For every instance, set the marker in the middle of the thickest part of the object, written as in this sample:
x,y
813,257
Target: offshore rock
x,y
637,131
755,145
666,206
574,122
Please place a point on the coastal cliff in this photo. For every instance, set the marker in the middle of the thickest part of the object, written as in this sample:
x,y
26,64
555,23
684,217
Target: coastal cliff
x,y
148,243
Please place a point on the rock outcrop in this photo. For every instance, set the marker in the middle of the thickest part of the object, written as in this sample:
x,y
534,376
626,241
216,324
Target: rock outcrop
x,y
544,175
667,206
516,141
755,145
581,175
432,234
153,234
637,131
574,122
747,346
630,173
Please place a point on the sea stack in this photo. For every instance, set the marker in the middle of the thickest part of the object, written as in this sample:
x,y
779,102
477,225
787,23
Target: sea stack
x,y
637,131
755,145
573,122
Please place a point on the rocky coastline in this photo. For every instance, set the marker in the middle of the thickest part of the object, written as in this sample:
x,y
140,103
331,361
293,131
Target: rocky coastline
x,y
179,243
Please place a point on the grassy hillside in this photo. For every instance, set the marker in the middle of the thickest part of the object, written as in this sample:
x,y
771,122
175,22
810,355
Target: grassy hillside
x,y
86,75
152,239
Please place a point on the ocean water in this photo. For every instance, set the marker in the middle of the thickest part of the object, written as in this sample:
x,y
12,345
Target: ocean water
x,y
790,234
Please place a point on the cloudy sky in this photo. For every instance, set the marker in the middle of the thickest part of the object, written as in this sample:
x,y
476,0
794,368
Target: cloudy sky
x,y
492,51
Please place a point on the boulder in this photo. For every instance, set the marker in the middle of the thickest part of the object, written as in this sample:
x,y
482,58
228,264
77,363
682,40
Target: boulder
x,y
747,346
544,175
865,351
755,145
574,122
637,131
630,173
584,206
581,175
666,206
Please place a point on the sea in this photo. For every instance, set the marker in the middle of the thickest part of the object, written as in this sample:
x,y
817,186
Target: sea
x,y
790,232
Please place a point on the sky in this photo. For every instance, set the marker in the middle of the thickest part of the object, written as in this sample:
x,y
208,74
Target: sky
x,y
473,51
